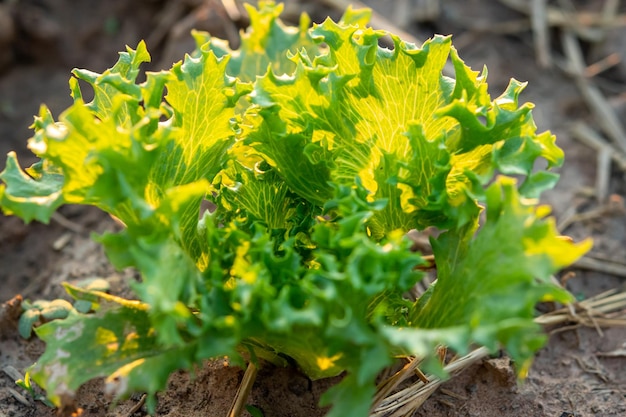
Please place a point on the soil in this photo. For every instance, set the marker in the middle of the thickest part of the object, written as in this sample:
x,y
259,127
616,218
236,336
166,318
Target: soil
x,y
41,40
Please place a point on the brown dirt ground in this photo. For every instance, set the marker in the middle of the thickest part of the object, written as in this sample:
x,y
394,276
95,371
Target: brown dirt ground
x,y
40,40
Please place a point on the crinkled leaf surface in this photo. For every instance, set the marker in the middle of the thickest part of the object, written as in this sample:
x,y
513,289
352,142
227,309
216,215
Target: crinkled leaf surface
x,y
317,150
393,119
268,43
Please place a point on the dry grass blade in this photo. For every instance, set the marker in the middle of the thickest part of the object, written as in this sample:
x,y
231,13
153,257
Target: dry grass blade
x,y
603,175
610,9
12,372
585,134
613,354
604,310
232,9
599,106
500,28
19,397
68,224
171,13
386,387
602,65
607,267
584,24
539,23
137,406
239,402
409,399
614,206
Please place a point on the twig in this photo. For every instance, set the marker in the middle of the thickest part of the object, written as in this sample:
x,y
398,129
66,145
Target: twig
x,y
500,28
388,385
68,224
171,13
585,24
12,372
584,133
602,65
607,267
590,368
453,394
243,391
603,174
599,106
446,403
613,207
597,307
137,406
62,241
606,309
608,302
19,397
610,9
409,399
541,39
613,354
231,8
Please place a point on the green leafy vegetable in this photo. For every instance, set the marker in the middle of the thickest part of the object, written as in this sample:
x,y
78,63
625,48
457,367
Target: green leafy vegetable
x,y
319,151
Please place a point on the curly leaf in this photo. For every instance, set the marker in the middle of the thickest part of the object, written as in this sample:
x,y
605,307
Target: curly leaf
x,y
113,341
492,281
391,118
32,197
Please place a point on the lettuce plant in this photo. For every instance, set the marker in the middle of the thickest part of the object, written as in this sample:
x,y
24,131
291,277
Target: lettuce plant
x,y
316,150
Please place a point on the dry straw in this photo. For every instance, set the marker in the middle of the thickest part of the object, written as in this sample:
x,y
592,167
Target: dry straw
x,y
604,310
